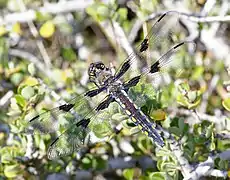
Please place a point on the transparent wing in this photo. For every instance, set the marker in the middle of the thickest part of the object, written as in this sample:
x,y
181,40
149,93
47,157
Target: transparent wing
x,y
159,66
77,134
80,134
163,35
71,140
51,120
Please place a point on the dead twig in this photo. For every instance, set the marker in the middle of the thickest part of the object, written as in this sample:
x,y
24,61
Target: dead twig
x,y
52,8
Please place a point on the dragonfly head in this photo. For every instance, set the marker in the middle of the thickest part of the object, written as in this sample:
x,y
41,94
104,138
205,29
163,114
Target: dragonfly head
x,y
99,73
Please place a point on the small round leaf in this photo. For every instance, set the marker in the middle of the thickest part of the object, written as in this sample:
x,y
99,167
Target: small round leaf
x,y
226,103
31,69
27,92
47,29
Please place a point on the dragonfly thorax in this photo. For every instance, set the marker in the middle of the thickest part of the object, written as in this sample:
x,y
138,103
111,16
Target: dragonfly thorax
x,y
115,88
99,74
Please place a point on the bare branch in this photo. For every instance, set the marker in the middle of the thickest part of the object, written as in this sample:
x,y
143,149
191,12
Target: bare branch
x,y
175,147
202,116
5,99
194,18
205,169
35,33
53,8
209,4
30,57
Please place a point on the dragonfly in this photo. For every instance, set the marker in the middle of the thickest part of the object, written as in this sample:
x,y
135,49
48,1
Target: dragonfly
x,y
116,89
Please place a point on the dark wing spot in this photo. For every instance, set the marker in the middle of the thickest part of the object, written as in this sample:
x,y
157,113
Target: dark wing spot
x,y
144,45
155,67
84,123
123,69
161,17
34,118
178,45
54,141
104,104
66,107
132,82
125,66
94,92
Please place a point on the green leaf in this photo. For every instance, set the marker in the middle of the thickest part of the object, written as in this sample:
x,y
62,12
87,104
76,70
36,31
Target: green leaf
x,y
87,162
144,143
119,117
68,54
128,174
6,158
16,78
102,130
175,130
30,81
27,92
103,10
91,11
190,101
122,13
14,108
198,72
157,115
157,176
192,95
226,103
99,163
181,125
31,69
20,100
47,29
12,171
98,11
43,16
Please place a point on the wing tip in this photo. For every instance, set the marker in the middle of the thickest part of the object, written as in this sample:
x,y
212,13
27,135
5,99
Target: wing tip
x,y
34,118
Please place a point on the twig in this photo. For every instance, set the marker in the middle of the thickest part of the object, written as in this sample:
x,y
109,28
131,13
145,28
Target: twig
x,y
202,116
29,146
175,147
6,98
205,169
35,33
119,36
206,95
209,4
191,17
30,57
222,12
223,136
53,8
203,19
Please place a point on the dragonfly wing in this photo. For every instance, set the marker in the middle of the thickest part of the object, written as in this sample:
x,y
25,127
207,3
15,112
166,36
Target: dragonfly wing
x,y
73,139
161,37
78,135
49,121
46,122
92,128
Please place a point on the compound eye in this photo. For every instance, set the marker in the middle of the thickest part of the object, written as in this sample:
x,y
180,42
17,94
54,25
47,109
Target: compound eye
x,y
102,66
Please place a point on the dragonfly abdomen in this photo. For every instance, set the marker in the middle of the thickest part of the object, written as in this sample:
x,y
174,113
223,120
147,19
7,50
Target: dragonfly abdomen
x,y
138,117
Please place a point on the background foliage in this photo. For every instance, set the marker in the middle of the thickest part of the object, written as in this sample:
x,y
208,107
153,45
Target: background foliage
x,y
44,55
